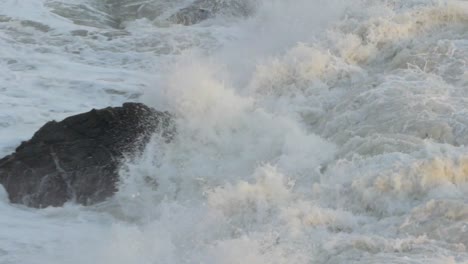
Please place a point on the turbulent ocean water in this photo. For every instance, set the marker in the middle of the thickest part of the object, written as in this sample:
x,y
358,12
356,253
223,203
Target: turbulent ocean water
x,y
309,131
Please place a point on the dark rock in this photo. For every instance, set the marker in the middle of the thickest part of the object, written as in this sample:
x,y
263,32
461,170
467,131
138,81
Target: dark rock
x,y
78,158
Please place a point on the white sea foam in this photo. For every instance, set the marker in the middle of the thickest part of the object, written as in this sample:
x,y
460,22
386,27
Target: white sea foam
x,y
309,132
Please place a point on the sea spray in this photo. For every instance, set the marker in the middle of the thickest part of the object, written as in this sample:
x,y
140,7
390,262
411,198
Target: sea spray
x,y
307,132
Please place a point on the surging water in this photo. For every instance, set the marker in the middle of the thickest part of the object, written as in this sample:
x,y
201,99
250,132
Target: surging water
x,y
308,132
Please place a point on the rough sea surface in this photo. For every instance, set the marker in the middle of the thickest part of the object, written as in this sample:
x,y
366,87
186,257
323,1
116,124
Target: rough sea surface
x,y
309,131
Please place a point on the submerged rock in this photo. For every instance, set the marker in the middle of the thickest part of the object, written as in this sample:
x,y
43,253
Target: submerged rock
x,y
127,10
78,158
203,9
191,15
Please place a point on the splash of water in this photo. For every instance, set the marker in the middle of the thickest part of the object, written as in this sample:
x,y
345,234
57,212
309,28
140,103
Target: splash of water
x,y
308,132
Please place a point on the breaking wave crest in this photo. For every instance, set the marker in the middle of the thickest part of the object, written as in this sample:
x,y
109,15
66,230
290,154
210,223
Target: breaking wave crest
x,y
307,131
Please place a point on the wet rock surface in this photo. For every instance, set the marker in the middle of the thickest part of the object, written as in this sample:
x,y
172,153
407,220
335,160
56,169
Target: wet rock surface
x,y
78,159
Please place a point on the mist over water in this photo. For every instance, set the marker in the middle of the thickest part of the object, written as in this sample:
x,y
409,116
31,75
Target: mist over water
x,y
307,131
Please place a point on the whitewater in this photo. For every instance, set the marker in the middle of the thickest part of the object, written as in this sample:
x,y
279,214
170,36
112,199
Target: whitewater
x,y
308,131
